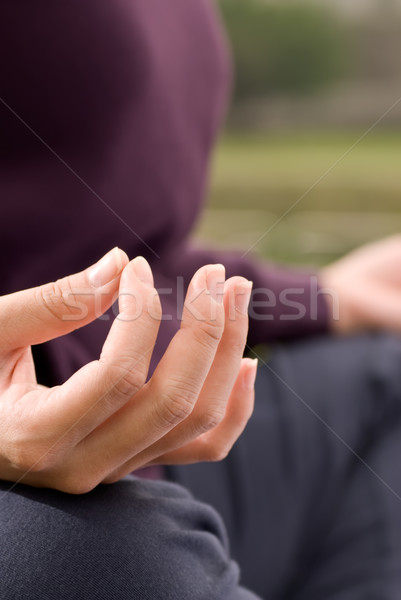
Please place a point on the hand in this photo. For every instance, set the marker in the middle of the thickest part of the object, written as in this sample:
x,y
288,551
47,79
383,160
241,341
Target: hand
x,y
365,288
105,421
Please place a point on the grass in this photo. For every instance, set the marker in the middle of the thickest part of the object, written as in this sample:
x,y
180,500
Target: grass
x,y
345,193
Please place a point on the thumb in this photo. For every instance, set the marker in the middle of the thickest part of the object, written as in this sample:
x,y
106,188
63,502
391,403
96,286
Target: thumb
x,y
40,314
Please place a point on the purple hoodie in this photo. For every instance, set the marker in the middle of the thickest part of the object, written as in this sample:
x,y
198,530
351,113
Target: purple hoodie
x,y
108,114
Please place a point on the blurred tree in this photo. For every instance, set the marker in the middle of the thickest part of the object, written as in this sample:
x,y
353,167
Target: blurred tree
x,y
292,48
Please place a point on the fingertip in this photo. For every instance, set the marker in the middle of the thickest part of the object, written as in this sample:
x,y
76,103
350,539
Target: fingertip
x,y
249,368
232,282
137,292
122,257
143,271
108,268
204,298
215,279
237,295
136,270
210,278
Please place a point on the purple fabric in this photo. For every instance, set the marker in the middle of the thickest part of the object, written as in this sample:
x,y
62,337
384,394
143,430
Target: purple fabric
x,y
108,115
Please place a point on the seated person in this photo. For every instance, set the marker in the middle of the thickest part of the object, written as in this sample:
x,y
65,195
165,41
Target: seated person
x,y
106,134
311,498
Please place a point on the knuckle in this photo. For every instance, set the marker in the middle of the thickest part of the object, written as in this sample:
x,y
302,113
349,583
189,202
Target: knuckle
x,y
236,346
208,333
127,377
29,458
176,404
50,297
209,419
58,298
80,474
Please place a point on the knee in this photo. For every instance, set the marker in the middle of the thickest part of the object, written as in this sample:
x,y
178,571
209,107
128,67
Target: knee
x,y
129,540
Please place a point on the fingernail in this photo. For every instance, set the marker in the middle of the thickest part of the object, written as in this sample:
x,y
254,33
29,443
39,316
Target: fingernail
x,y
143,271
216,276
242,297
250,373
107,269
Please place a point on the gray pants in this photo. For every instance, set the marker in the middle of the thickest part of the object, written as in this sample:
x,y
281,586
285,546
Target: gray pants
x,y
310,497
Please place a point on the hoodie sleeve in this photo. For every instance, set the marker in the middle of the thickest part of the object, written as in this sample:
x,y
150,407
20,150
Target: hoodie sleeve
x,y
286,302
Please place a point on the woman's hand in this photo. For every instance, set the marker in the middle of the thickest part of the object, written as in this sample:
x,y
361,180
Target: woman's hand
x,y
365,288
105,421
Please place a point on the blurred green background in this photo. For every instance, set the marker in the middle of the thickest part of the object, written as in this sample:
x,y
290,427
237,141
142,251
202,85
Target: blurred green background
x,y
309,165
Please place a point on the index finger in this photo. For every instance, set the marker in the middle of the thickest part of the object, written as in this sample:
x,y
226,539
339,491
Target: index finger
x,y
102,387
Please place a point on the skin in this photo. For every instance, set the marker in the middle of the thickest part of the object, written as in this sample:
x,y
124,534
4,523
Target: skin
x,y
366,286
107,420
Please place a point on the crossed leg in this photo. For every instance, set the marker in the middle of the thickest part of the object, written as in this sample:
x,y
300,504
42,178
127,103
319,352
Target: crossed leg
x,y
310,496
311,493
